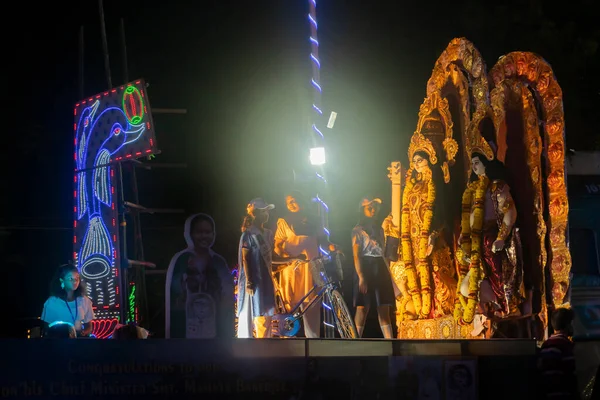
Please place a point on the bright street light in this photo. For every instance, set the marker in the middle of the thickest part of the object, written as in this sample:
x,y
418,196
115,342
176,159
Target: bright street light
x,y
317,156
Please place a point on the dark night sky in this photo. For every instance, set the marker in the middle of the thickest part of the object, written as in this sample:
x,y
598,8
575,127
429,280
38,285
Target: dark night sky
x,y
242,71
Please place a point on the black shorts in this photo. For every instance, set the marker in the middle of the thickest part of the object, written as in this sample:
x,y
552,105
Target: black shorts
x,y
379,284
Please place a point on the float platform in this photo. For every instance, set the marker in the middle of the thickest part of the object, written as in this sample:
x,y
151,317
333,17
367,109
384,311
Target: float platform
x,y
265,369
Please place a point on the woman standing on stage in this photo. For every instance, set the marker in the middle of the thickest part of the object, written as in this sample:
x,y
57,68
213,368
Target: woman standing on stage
x,y
68,302
372,280
256,293
296,235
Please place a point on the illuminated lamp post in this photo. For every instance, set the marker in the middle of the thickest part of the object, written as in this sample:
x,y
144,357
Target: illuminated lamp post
x,y
317,156
317,152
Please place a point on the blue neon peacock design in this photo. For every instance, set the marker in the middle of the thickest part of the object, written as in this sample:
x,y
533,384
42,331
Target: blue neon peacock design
x,y
96,256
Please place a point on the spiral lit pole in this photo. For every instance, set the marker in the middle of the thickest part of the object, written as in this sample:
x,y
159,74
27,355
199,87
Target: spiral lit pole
x,y
317,152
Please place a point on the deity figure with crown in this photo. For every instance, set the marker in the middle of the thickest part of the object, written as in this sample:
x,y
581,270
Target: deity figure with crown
x,y
425,253
490,246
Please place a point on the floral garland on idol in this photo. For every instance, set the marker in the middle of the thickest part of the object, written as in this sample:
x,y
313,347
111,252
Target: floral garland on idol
x,y
421,295
472,201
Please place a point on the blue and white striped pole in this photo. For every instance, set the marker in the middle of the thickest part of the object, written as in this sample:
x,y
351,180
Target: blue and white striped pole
x,y
317,152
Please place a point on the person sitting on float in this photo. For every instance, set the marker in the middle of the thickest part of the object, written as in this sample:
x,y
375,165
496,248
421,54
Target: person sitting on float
x,y
68,302
298,235
256,292
372,280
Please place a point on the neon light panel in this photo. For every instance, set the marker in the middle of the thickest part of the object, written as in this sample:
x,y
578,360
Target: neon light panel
x,y
131,304
109,127
133,105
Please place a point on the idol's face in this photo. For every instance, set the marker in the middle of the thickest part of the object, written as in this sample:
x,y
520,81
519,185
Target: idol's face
x,y
477,166
420,164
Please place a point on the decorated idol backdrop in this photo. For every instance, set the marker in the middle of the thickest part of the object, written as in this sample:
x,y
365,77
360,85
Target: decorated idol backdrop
x,y
110,127
199,286
468,268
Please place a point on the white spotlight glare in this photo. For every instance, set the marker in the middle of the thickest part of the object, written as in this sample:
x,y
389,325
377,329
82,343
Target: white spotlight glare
x,y
317,156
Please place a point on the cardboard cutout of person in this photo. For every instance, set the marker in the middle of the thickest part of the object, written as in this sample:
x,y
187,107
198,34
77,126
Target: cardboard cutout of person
x,y
199,286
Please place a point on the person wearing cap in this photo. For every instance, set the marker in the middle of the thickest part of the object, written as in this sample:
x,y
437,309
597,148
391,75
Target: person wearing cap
x,y
256,293
372,280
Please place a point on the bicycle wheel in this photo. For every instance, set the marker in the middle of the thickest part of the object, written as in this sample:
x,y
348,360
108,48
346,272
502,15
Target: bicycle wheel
x,y
343,318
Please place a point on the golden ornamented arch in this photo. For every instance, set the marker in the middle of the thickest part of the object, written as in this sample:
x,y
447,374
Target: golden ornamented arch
x,y
461,67
516,94
462,53
536,76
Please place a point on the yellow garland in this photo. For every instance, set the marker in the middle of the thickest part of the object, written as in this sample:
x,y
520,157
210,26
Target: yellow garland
x,y
405,221
473,247
462,251
403,304
423,266
407,256
421,298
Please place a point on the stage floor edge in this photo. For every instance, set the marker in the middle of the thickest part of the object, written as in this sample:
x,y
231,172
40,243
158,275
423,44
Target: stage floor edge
x,y
273,348
380,347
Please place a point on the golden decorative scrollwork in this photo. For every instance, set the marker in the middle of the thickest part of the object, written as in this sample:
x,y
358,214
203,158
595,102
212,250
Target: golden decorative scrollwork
x,y
463,53
440,328
446,172
498,103
457,84
418,142
436,109
435,102
538,75
451,148
475,142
